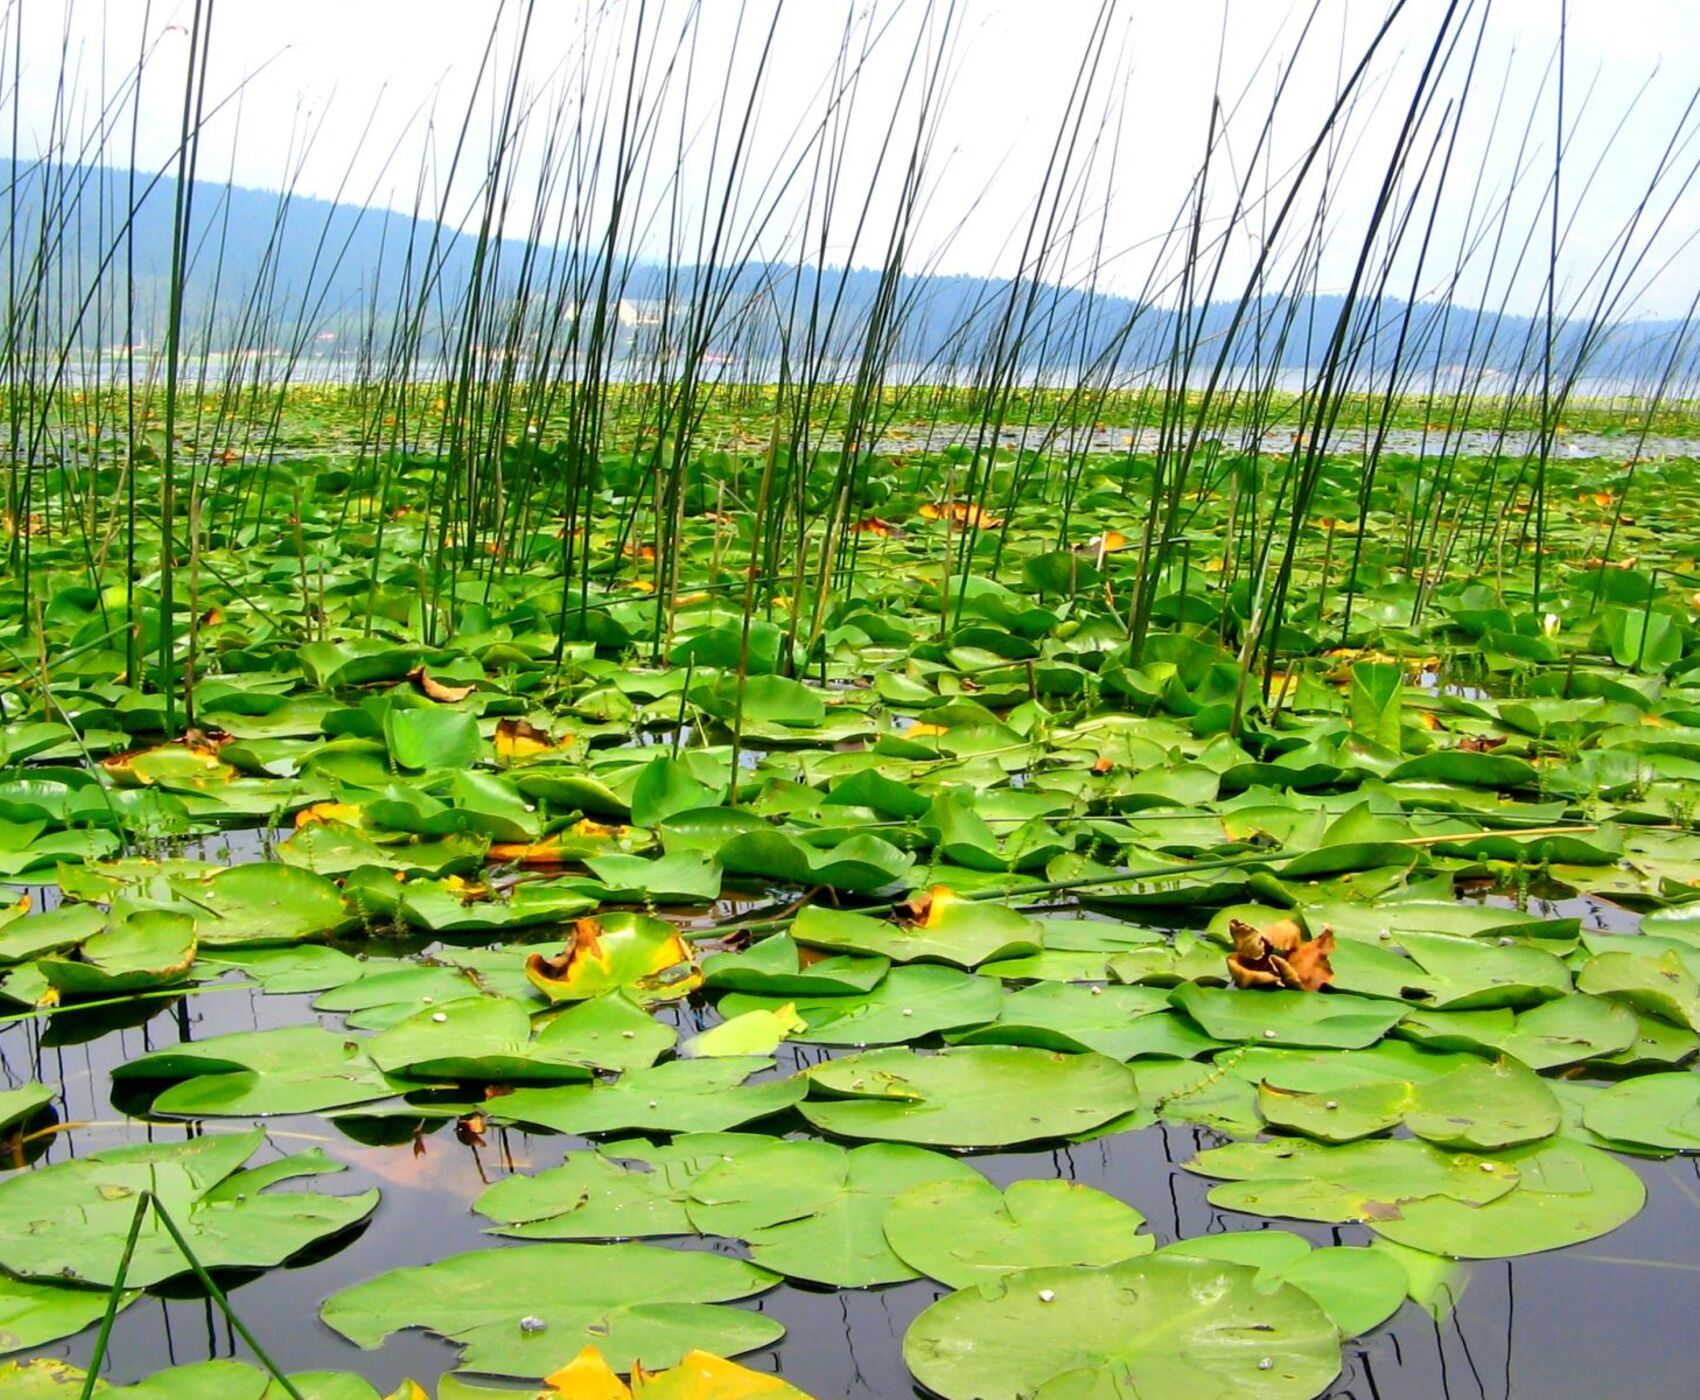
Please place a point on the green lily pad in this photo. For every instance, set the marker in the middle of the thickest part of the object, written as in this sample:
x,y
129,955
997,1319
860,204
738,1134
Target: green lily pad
x,y
962,932
1656,1110
23,1103
1372,1180
69,1221
637,1304
965,1232
1555,1033
1162,1327
1121,1022
911,1002
263,904
972,1096
1566,1193
598,1195
1358,1287
292,1069
814,1211
33,1314
681,1096
150,948
775,967
1288,1018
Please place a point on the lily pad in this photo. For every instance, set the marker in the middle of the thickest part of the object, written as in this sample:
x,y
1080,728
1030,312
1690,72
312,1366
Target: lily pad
x,y
965,1232
597,1195
150,948
973,1096
69,1221
814,1211
637,1303
1566,1193
1162,1327
909,1003
953,930
681,1096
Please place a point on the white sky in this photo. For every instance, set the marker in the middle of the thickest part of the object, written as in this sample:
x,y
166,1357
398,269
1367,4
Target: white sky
x,y
324,66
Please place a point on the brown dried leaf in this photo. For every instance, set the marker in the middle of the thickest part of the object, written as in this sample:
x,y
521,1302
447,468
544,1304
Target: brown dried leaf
x,y
433,689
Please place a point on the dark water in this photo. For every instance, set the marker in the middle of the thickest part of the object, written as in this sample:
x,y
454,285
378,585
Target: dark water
x,y
1610,1318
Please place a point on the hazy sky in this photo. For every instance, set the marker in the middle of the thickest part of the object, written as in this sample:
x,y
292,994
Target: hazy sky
x,y
358,96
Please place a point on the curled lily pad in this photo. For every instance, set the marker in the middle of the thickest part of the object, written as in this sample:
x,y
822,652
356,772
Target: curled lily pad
x,y
514,1312
150,948
69,1221
964,1232
814,1211
1161,1326
1656,1110
972,1096
631,951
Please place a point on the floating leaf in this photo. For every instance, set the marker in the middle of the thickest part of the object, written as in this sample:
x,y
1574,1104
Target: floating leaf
x,y
911,1002
595,1195
1359,1288
1288,1018
638,1304
292,1069
964,1232
629,951
1161,1326
949,929
149,948
1372,1180
1657,1110
69,1221
33,1314
682,1096
814,1211
973,1096
1566,1193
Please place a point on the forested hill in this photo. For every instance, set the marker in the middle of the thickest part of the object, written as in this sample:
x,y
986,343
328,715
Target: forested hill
x,y
270,270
